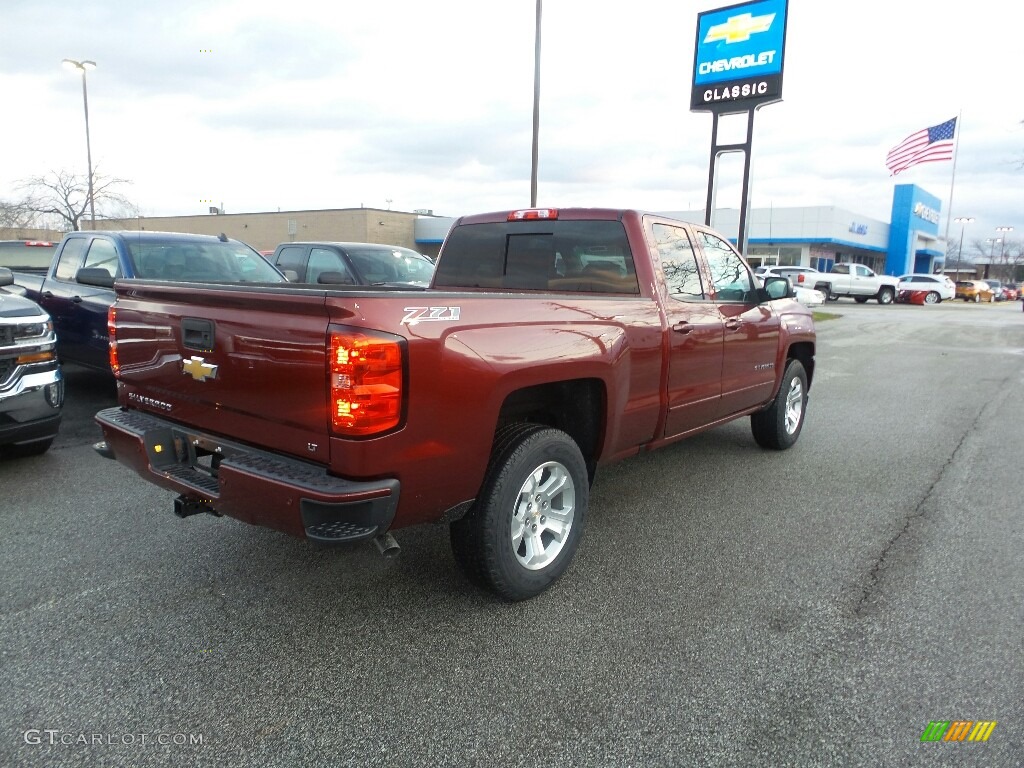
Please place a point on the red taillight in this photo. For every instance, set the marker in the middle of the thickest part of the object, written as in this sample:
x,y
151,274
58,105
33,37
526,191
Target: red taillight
x,y
800,277
115,366
366,383
41,243
532,214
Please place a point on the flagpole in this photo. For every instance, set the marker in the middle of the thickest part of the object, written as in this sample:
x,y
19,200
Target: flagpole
x,y
952,182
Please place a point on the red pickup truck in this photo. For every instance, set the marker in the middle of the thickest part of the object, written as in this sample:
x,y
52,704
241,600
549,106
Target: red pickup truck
x,y
550,342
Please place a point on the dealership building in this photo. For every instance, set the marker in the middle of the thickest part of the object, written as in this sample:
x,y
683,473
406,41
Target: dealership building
x,y
814,236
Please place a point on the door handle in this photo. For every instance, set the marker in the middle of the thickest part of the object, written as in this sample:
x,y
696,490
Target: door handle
x,y
48,294
732,323
682,327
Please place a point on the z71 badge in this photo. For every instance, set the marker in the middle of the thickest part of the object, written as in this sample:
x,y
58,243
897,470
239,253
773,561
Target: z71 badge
x,y
415,315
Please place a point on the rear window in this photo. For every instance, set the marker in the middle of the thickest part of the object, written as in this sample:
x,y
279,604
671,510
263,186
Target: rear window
x,y
391,264
559,256
35,254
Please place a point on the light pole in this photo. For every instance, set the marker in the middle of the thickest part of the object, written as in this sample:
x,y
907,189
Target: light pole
x,y
963,221
83,67
536,107
1002,242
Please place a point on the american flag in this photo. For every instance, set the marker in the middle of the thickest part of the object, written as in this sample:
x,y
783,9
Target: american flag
x,y
928,145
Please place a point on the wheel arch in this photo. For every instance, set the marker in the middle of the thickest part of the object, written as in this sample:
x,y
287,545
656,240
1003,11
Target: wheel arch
x,y
575,406
804,352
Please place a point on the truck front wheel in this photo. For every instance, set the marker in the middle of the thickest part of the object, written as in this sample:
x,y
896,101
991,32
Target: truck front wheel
x,y
526,524
779,425
886,295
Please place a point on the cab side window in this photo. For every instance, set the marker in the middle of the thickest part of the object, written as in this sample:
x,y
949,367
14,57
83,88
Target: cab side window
x,y
70,258
103,255
730,276
678,262
291,258
323,260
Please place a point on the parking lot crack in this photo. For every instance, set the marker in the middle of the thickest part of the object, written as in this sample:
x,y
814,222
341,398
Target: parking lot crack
x,y
874,575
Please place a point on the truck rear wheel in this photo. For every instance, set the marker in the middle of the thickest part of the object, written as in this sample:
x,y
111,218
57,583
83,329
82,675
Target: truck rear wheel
x,y
779,425
527,521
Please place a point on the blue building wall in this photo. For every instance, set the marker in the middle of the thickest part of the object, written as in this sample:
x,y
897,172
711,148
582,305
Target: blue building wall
x,y
913,211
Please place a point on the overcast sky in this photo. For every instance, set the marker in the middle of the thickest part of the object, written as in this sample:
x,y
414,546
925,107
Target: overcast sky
x,y
428,105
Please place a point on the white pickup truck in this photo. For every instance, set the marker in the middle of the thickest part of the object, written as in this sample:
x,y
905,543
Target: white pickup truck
x,y
857,281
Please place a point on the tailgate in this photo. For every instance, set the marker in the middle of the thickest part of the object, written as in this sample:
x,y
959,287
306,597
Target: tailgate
x,y
243,361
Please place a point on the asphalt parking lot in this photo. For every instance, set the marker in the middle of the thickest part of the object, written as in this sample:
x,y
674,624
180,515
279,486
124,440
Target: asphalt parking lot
x,y
728,606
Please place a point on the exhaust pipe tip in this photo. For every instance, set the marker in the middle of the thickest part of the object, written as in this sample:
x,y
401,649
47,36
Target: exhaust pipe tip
x,y
387,545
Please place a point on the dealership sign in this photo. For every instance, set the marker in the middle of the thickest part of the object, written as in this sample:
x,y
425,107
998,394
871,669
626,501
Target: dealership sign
x,y
738,56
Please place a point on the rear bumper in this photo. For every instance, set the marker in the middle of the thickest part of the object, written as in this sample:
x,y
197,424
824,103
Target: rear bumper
x,y
246,483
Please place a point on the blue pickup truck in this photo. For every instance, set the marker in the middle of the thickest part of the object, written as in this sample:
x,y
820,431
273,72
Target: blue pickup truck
x,y
77,288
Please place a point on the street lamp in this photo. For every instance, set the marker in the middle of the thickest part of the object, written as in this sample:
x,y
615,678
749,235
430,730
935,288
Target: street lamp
x,y
963,221
1002,242
83,67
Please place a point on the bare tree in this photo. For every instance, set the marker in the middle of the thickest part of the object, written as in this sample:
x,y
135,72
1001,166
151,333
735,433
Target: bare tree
x,y
1009,261
64,196
14,216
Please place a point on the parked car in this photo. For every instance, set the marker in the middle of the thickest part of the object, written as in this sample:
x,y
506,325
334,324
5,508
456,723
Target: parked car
x,y
805,276
808,296
77,287
974,290
1012,291
801,278
934,288
353,264
859,282
31,382
997,289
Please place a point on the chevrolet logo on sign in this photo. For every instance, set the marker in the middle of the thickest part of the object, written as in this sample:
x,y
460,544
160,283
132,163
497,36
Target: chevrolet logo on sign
x,y
738,29
198,369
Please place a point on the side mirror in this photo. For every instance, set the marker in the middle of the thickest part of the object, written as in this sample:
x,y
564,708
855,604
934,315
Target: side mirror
x,y
6,276
95,276
777,288
290,275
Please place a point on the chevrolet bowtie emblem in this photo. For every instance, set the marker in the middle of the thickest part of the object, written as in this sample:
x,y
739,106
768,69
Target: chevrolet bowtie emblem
x,y
198,369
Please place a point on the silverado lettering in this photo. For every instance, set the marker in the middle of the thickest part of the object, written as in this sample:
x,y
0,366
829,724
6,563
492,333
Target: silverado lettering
x,y
548,344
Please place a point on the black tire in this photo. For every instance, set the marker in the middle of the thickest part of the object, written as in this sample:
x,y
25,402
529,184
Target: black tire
x,y
932,298
504,543
886,296
861,299
778,426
